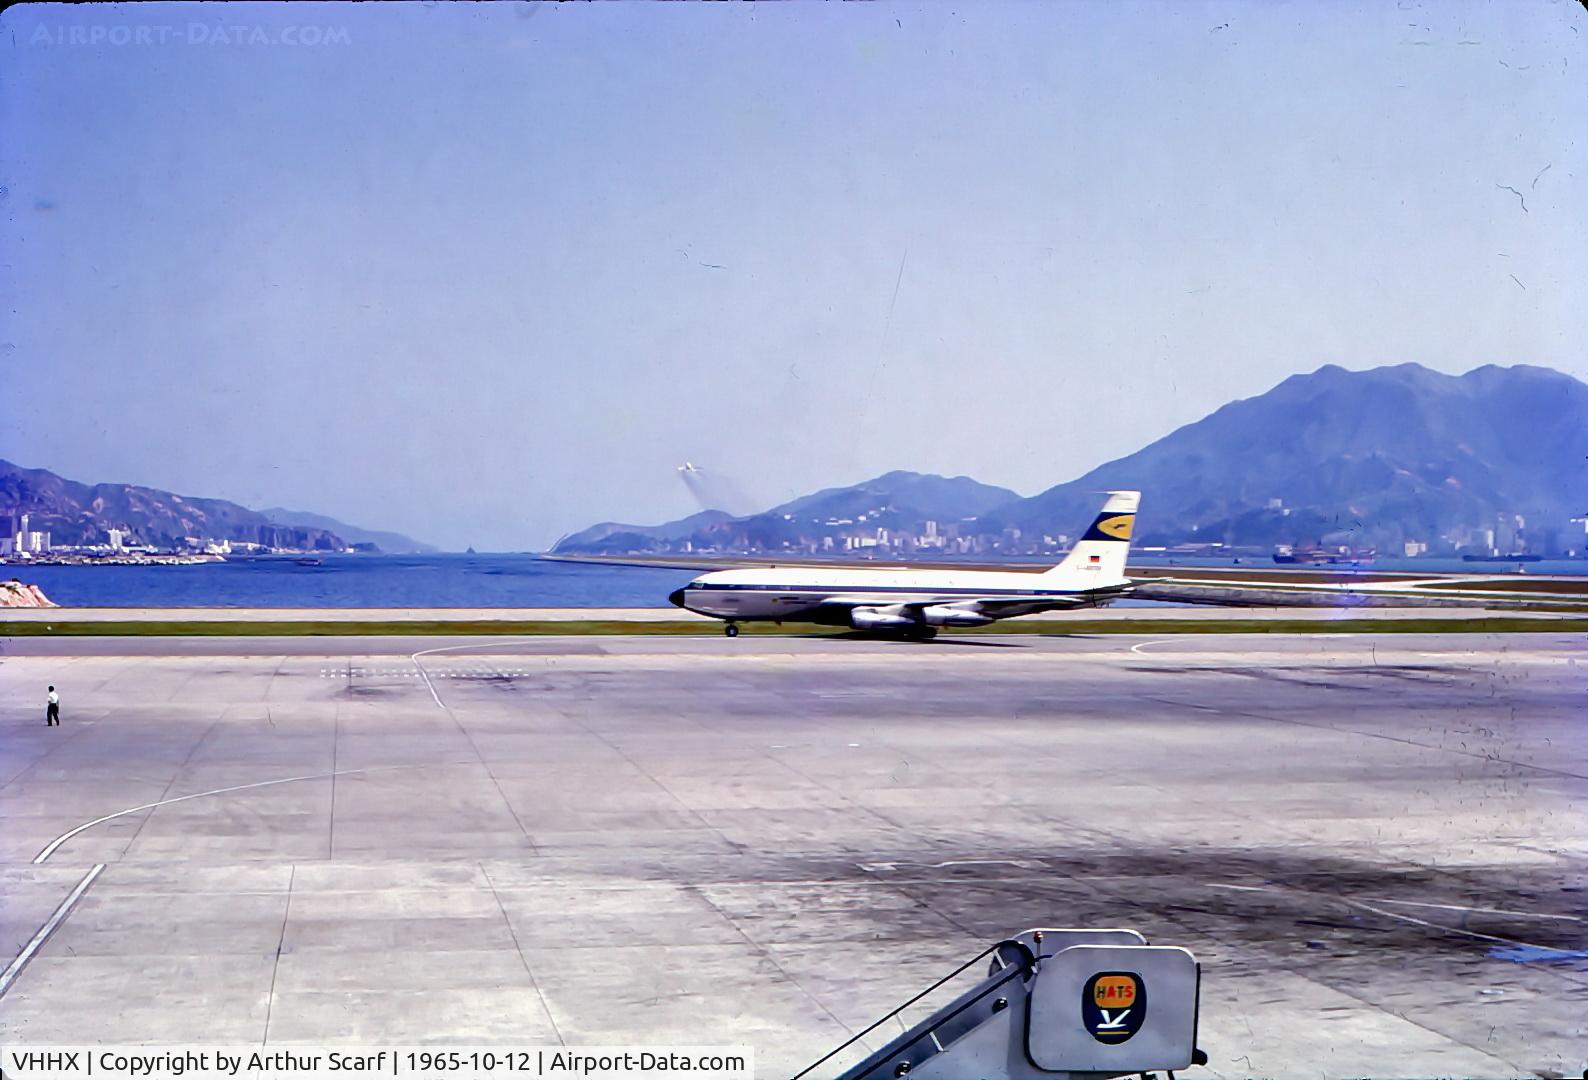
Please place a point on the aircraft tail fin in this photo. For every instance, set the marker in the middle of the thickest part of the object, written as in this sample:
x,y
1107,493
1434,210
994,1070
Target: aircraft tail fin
x,y
1098,558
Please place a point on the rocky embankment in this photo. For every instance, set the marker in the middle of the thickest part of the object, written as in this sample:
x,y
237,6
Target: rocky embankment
x,y
14,594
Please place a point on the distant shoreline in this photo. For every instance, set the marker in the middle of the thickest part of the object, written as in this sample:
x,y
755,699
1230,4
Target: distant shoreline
x,y
115,560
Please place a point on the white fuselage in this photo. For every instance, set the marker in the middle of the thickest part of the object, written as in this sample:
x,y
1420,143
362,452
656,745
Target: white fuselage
x,y
917,602
822,594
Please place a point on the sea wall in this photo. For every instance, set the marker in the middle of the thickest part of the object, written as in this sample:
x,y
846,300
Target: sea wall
x,y
14,594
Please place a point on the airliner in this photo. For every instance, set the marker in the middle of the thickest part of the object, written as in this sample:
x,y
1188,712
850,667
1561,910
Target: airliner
x,y
915,603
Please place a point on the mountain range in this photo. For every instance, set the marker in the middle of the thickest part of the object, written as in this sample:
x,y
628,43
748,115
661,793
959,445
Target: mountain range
x,y
1400,458
899,503
1381,457
1496,459
79,514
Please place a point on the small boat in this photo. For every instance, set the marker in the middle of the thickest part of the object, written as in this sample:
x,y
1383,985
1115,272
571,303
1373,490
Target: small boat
x,y
310,562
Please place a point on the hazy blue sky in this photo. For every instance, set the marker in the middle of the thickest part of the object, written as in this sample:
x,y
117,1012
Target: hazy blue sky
x,y
487,273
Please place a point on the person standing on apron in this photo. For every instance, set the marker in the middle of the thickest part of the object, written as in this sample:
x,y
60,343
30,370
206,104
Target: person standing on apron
x,y
52,709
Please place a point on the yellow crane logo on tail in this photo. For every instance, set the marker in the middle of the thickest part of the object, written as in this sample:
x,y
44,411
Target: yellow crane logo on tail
x,y
1117,526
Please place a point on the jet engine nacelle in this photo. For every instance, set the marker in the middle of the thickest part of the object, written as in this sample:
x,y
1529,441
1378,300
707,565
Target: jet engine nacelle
x,y
876,619
952,616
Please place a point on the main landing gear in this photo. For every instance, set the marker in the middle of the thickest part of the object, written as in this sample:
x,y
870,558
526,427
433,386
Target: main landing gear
x,y
731,630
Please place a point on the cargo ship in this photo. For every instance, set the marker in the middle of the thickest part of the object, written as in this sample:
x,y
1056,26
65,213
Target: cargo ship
x,y
1317,556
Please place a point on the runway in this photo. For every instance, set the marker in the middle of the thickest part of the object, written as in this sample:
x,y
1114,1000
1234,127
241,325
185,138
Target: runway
x,y
1377,845
1125,611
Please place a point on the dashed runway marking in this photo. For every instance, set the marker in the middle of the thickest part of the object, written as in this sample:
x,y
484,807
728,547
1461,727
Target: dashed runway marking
x,y
402,673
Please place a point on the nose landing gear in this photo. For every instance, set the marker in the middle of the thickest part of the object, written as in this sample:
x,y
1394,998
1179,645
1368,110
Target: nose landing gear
x,y
731,630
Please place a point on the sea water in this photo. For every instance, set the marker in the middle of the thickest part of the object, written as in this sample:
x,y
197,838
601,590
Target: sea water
x,y
382,581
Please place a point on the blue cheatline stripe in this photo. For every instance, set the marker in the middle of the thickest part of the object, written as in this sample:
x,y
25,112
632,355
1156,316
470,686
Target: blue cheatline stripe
x,y
836,590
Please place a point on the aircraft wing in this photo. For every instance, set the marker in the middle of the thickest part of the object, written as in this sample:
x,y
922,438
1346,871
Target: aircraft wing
x,y
1004,607
992,606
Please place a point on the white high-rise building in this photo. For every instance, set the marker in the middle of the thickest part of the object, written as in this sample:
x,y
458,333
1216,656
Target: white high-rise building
x,y
118,539
1508,534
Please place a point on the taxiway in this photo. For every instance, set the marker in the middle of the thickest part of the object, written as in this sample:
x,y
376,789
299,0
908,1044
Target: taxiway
x,y
1374,843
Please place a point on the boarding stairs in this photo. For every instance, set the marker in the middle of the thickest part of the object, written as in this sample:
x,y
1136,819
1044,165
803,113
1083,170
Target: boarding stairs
x,y
1054,1005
